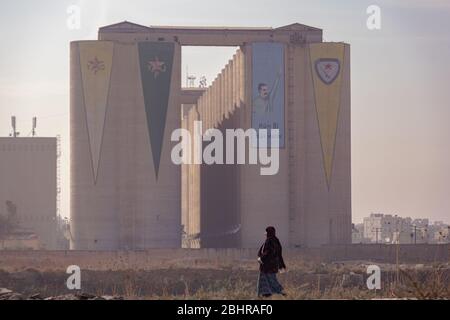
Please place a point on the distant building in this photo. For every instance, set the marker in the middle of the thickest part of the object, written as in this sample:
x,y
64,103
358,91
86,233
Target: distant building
x,y
439,232
358,234
386,228
381,228
421,223
28,192
20,241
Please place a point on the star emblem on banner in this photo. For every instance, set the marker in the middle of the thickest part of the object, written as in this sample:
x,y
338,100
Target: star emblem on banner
x,y
156,67
328,69
96,65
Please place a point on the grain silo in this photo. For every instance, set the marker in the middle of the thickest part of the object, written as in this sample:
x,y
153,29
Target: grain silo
x,y
124,103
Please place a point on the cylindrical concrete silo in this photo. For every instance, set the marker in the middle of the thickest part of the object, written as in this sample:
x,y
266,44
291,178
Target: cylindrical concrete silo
x,y
125,191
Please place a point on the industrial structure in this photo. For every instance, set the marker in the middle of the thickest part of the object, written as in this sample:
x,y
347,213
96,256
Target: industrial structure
x,y
127,99
28,192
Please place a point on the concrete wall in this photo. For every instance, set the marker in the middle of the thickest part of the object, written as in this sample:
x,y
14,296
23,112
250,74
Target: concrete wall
x,y
162,258
16,244
28,179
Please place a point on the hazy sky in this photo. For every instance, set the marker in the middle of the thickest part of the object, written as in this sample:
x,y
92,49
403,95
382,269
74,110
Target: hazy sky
x,y
400,80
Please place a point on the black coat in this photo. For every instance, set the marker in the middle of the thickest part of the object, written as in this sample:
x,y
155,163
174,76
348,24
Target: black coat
x,y
271,256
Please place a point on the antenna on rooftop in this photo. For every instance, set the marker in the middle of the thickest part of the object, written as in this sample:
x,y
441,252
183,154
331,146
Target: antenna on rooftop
x,y
33,130
190,80
203,82
13,124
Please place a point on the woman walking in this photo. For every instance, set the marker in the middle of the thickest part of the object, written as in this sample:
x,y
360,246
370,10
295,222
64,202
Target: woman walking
x,y
270,260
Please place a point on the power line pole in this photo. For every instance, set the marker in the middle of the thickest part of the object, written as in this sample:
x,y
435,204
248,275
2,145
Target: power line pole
x,y
415,234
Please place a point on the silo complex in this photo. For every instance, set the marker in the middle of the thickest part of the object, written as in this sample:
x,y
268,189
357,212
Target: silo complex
x,y
126,100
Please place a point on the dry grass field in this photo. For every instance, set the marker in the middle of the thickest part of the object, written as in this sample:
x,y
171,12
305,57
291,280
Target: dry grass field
x,y
209,280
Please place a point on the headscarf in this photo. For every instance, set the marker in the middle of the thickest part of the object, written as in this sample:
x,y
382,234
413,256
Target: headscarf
x,y
270,232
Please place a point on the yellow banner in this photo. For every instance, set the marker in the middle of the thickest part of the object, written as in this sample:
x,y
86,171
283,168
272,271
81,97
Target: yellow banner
x,y
96,61
327,65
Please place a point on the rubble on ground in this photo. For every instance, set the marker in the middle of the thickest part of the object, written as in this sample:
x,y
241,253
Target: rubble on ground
x,y
6,294
352,280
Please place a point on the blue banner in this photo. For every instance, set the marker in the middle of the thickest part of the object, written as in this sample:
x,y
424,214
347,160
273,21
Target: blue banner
x,y
268,89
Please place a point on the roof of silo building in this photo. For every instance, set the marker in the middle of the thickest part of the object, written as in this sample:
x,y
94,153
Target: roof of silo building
x,y
130,27
210,36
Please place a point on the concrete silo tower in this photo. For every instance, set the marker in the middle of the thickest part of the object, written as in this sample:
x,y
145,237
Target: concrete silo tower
x,y
124,101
